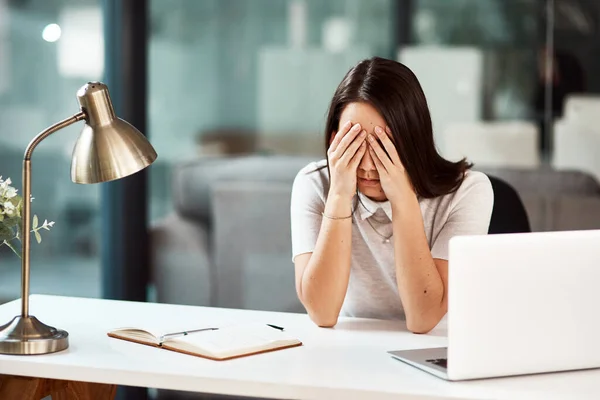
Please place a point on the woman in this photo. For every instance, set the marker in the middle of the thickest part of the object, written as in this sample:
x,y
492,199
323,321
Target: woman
x,y
371,223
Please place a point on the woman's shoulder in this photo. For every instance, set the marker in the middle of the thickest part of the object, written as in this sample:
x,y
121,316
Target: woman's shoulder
x,y
315,171
314,175
475,179
475,186
314,166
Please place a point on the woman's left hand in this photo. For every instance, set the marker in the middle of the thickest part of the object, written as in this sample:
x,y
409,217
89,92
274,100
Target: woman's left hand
x,y
392,174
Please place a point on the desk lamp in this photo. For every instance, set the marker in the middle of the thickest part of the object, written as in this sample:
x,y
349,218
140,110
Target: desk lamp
x,y
108,148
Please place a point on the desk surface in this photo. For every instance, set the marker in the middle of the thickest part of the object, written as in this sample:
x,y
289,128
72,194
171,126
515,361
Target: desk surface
x,y
348,361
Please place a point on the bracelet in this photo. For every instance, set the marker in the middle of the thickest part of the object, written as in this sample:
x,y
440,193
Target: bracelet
x,y
330,217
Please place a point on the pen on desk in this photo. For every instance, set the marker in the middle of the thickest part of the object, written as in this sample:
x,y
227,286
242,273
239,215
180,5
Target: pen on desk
x,y
184,333
275,326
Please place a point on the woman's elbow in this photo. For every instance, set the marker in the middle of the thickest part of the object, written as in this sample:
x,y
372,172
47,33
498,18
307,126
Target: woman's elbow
x,y
424,322
318,312
319,315
420,327
323,320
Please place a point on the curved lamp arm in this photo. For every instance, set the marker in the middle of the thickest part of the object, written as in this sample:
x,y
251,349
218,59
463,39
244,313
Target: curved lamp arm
x,y
26,213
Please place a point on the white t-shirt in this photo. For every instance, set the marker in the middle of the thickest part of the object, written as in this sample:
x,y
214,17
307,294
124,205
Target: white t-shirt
x,y
372,289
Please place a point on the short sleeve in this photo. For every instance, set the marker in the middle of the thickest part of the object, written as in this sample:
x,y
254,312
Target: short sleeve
x,y
307,206
470,213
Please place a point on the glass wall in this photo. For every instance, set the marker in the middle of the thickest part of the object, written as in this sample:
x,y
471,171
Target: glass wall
x,y
572,98
48,49
477,61
255,77
247,81
235,76
239,89
509,83
502,77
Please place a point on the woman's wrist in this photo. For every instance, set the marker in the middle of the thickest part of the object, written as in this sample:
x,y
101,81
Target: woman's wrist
x,y
406,204
338,206
342,188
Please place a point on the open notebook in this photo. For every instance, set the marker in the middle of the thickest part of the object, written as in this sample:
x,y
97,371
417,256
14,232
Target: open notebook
x,y
218,344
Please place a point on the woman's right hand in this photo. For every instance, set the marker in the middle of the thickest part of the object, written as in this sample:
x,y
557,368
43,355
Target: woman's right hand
x,y
344,154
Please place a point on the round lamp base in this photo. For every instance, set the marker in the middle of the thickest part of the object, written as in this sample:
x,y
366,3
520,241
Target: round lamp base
x,y
29,336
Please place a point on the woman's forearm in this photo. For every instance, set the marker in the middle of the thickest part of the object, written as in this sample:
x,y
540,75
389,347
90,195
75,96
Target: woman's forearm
x,y
325,279
419,283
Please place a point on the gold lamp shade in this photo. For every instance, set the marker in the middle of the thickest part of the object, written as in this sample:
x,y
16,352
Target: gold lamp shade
x,y
108,148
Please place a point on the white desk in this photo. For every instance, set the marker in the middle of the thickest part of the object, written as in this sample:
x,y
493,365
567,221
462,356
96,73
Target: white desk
x,y
347,362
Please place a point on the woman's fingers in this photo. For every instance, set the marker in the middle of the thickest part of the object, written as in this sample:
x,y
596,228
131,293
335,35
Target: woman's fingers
x,y
360,153
376,160
346,140
380,152
339,135
353,147
387,144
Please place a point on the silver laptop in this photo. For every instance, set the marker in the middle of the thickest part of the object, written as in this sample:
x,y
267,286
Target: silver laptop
x,y
518,304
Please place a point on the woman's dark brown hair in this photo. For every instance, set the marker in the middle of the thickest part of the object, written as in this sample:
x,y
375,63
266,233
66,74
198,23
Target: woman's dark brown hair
x,y
393,90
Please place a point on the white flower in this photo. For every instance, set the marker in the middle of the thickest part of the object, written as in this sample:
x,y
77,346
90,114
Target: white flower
x,y
47,225
9,209
5,184
10,193
6,191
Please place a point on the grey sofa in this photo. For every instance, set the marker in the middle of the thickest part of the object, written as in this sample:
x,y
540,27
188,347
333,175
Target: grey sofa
x,y
227,244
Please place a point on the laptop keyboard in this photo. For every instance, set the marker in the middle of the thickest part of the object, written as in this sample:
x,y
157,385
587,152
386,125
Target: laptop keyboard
x,y
440,362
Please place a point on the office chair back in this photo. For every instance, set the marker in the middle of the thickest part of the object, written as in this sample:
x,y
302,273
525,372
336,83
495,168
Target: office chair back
x,y
508,214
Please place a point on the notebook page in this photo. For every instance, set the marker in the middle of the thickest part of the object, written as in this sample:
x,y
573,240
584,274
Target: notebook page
x,y
154,329
138,333
235,339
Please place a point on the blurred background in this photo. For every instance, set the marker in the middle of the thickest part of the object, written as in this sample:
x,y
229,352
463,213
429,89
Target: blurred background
x,y
234,99
510,84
